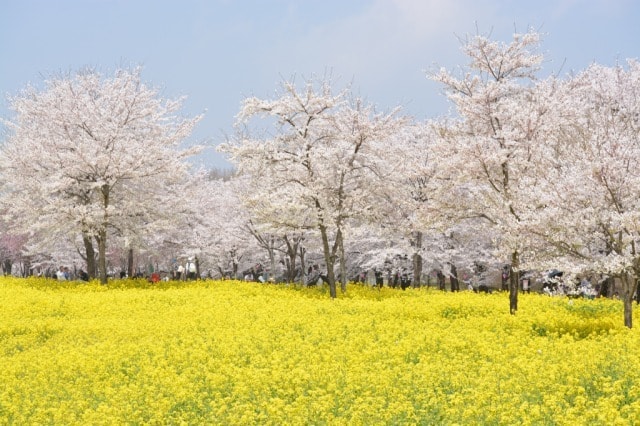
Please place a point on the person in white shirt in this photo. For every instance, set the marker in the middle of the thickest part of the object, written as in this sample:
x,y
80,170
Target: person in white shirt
x,y
60,275
180,272
191,269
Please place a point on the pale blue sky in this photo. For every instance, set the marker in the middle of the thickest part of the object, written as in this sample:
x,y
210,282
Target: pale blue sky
x,y
216,52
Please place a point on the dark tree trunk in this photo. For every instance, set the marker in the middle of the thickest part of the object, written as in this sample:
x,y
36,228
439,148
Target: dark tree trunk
x,y
289,271
26,270
441,280
329,259
629,287
343,269
102,235
514,281
291,264
130,263
90,254
453,279
6,265
628,312
417,260
272,261
102,256
303,264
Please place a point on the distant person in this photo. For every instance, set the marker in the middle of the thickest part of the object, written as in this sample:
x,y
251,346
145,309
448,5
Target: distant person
x,y
191,269
313,275
60,275
405,282
180,272
505,278
379,279
83,275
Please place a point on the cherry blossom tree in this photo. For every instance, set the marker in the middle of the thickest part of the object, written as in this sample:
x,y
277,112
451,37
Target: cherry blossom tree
x,y
411,211
486,154
322,166
218,233
12,247
588,204
89,155
293,249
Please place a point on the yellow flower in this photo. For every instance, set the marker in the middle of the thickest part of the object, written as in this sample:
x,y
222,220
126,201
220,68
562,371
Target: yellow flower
x,y
244,353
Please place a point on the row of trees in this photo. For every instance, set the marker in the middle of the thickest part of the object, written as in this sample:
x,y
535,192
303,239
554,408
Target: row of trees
x,y
536,173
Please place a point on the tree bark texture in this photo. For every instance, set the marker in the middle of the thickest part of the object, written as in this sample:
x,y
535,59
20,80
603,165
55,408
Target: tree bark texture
x,y
328,258
417,260
102,256
514,283
90,255
453,279
130,263
629,287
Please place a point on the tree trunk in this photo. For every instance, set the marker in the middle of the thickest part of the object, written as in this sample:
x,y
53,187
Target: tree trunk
x,y
90,255
514,281
628,289
102,256
26,267
343,269
102,235
303,265
272,260
289,272
453,279
329,260
441,281
292,249
130,263
417,260
628,312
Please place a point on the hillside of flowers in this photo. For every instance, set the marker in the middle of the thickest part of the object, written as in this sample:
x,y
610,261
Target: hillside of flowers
x,y
230,352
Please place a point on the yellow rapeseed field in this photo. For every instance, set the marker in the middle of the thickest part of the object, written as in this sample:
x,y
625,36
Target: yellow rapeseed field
x,y
234,353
